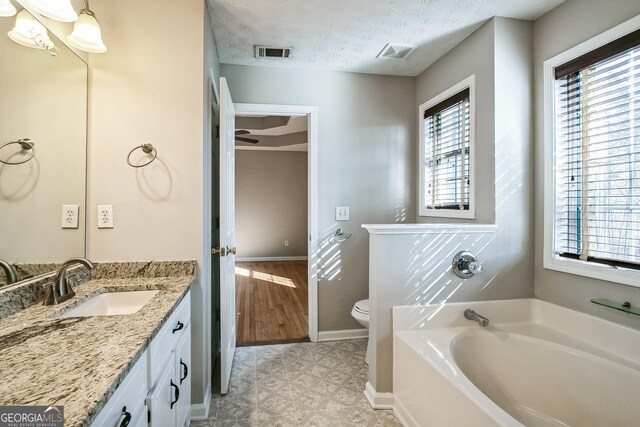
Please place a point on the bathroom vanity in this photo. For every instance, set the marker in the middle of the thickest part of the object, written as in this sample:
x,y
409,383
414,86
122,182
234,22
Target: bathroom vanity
x,y
107,370
158,387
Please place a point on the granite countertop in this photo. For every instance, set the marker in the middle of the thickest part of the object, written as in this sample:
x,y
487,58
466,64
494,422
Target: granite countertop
x,y
79,362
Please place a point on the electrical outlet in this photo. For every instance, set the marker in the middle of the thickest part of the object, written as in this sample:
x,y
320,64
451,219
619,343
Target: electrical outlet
x,y
70,216
342,213
105,216
286,243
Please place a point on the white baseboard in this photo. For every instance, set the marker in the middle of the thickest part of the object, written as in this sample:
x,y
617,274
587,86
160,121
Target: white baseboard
x,y
200,411
271,258
378,400
402,415
345,334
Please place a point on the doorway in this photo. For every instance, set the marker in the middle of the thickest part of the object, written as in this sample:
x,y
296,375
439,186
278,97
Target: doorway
x,y
225,249
272,215
276,287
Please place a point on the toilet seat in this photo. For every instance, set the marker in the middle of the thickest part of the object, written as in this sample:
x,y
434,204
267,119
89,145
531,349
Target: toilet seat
x,y
362,306
360,312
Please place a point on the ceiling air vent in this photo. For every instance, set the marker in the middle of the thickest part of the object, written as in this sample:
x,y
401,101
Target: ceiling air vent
x,y
395,51
273,52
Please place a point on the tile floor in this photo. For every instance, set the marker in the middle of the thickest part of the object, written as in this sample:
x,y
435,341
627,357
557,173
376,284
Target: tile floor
x,y
304,384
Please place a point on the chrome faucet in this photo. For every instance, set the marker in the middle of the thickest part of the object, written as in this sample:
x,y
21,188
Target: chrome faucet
x,y
60,290
472,315
9,271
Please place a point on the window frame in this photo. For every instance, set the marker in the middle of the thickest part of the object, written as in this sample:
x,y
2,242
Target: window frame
x,y
551,261
468,83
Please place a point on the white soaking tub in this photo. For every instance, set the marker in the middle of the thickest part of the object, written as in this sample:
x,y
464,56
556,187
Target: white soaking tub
x,y
535,365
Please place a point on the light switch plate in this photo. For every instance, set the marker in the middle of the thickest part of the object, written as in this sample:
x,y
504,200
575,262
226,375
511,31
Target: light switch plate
x,y
70,216
105,216
342,213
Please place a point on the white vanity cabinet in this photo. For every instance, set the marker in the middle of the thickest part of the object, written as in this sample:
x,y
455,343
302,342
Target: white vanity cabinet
x,y
169,371
126,406
157,390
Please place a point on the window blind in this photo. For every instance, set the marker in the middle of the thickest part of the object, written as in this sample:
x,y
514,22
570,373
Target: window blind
x,y
446,151
597,148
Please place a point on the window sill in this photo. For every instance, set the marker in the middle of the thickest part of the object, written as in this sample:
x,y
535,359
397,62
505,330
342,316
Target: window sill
x,y
447,213
430,228
592,270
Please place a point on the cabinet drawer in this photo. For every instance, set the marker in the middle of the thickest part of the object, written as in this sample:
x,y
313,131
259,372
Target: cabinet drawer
x,y
130,394
167,339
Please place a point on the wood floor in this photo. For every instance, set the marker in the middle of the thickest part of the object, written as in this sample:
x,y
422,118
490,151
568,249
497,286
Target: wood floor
x,y
271,302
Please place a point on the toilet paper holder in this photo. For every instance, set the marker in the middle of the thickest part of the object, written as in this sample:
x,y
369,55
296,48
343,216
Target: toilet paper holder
x,y
339,236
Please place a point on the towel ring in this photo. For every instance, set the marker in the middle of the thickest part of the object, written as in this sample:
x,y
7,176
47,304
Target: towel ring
x,y
146,148
339,236
26,144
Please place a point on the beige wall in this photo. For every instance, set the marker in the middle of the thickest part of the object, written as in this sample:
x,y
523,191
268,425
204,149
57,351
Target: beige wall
x,y
207,344
271,203
366,134
204,303
499,54
568,25
149,88
474,55
42,98
415,268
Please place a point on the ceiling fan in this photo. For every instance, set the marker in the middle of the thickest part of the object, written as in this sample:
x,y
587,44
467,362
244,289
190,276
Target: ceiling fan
x,y
242,139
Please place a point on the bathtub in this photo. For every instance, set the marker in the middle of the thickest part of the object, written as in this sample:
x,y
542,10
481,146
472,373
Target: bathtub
x,y
535,365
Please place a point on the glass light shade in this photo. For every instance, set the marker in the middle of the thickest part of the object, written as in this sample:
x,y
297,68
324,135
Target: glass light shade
x,y
87,35
7,9
60,10
29,32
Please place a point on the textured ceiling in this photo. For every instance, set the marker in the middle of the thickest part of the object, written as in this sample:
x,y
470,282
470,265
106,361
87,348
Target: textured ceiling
x,y
347,35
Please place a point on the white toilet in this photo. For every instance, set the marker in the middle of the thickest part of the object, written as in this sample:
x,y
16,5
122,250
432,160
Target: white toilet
x,y
360,312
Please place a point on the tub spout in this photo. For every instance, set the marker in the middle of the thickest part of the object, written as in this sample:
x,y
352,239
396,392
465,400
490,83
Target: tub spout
x,y
472,315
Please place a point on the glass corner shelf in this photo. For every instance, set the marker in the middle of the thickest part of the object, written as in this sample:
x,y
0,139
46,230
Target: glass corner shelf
x,y
626,306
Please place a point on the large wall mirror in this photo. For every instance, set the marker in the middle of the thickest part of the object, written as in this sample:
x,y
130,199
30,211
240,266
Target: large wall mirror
x,y
43,128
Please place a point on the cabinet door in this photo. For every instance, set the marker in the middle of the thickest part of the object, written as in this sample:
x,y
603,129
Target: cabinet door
x,y
163,398
128,400
183,374
168,339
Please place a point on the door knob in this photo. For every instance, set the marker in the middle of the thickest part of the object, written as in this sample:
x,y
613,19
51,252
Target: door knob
x,y
218,250
231,250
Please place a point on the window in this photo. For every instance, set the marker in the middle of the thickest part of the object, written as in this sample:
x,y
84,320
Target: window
x,y
596,147
446,150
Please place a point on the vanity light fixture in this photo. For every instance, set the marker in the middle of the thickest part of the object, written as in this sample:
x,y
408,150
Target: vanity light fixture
x,y
86,33
7,9
29,32
60,10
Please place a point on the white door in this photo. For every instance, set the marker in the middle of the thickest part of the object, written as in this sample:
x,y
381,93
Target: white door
x,y
227,235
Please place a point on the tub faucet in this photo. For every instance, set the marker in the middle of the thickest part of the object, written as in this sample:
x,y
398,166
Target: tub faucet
x,y
9,271
472,315
60,290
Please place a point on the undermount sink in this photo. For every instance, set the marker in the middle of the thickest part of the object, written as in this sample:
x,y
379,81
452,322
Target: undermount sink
x,y
112,304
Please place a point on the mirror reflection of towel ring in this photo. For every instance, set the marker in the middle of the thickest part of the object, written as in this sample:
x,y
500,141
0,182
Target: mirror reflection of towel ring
x,y
147,149
26,144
